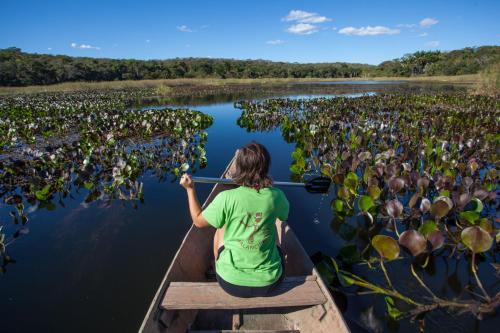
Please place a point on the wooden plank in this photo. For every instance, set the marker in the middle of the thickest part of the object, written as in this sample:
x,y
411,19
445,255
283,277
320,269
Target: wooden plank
x,y
301,278
244,331
237,320
209,295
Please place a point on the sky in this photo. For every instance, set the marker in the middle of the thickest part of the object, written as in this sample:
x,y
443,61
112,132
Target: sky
x,y
293,31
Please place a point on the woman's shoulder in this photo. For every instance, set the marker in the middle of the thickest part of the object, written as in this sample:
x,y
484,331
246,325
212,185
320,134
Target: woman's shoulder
x,y
277,192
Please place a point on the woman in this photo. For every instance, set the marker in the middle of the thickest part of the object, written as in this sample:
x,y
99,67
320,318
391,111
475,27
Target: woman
x,y
248,261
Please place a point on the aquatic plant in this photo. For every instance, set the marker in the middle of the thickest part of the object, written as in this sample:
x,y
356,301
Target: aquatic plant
x,y
417,172
56,145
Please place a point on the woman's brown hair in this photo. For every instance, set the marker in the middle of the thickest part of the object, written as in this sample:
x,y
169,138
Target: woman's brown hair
x,y
252,165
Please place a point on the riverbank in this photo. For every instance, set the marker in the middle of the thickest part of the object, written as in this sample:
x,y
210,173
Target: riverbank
x,y
167,87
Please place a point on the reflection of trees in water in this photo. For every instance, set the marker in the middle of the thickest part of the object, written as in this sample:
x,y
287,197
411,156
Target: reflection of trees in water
x,y
196,95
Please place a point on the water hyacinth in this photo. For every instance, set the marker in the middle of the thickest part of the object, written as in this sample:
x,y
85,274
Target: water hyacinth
x,y
65,142
421,167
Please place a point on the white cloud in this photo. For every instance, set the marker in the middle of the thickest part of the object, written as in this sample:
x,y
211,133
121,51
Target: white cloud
x,y
275,42
428,22
184,28
148,40
302,29
368,31
433,44
49,48
315,19
297,15
304,22
84,46
423,34
302,16
406,25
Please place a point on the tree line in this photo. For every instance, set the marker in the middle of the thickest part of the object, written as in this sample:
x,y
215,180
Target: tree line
x,y
18,68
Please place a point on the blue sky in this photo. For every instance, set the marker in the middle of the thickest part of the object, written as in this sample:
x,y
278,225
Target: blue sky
x,y
295,31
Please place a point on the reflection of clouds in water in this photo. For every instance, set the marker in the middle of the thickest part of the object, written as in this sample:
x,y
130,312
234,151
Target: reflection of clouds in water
x,y
32,209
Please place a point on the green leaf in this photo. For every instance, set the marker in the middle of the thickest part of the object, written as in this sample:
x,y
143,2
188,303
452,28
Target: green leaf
x,y
296,169
476,239
338,205
392,310
428,227
365,203
184,167
88,185
475,205
325,271
386,247
346,231
345,280
444,193
349,254
343,193
374,192
469,216
351,181
298,154
43,194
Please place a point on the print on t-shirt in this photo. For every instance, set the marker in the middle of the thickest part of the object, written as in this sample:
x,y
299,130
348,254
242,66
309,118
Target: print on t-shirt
x,y
253,220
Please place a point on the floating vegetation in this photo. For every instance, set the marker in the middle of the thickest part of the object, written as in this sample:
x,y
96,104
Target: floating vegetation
x,y
54,145
416,178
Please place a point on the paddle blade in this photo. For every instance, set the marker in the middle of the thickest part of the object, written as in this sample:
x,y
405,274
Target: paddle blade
x,y
318,185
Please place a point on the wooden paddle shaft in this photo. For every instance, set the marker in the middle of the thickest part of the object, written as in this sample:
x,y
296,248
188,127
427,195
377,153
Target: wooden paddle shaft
x,y
210,180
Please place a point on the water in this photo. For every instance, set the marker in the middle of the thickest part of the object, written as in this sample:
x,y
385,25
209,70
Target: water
x,y
92,268
379,82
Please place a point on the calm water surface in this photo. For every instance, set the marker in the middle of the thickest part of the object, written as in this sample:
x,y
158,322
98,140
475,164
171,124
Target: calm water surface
x,y
90,268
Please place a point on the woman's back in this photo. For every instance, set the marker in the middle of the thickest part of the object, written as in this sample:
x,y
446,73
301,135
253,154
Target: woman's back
x,y
250,256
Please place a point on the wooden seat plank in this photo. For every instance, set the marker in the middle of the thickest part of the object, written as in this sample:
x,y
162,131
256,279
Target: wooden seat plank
x,y
244,331
293,291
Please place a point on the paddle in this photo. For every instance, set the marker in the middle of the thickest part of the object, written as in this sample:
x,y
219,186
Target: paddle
x,y
315,185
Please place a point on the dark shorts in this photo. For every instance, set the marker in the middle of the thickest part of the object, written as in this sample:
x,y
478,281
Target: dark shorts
x,y
245,291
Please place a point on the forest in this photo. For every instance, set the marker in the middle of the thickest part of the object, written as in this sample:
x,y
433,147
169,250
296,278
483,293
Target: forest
x,y
18,68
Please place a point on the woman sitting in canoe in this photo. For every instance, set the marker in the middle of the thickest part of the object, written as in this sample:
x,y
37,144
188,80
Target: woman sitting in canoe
x,y
248,261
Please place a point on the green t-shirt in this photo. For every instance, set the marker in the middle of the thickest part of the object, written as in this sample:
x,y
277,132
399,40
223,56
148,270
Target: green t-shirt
x,y
250,256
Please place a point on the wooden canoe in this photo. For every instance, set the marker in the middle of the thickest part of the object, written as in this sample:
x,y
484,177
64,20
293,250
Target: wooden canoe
x,y
187,302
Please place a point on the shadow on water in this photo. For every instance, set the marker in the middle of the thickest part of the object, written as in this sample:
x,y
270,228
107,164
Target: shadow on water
x,y
90,267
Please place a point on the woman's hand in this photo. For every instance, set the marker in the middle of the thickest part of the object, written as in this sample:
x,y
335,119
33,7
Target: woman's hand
x,y
186,181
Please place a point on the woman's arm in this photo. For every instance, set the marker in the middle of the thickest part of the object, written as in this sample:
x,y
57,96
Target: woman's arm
x,y
194,204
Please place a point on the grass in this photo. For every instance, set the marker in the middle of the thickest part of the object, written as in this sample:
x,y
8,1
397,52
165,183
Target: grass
x,y
166,86
489,82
